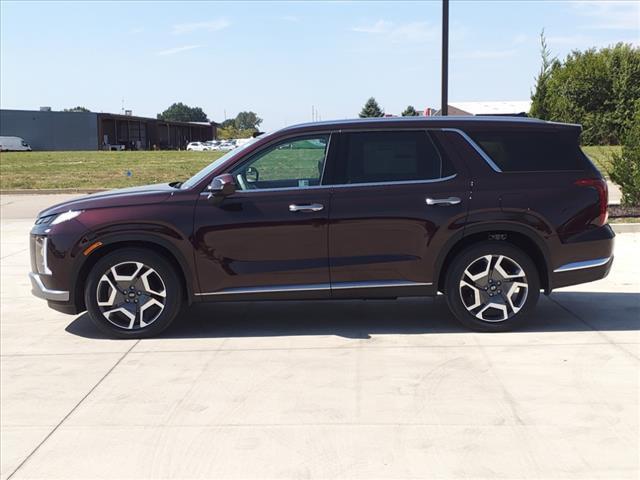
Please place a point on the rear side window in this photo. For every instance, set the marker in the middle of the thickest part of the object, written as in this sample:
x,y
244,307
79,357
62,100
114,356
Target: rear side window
x,y
377,157
532,151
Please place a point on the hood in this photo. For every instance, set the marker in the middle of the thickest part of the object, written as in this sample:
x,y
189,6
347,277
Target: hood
x,y
122,197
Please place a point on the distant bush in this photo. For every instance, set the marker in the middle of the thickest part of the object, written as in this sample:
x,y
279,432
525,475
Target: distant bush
x,y
599,89
625,166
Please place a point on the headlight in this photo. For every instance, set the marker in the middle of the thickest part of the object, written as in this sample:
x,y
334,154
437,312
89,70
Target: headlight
x,y
66,216
42,265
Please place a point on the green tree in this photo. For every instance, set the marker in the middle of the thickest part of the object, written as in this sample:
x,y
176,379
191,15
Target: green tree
x,y
539,107
179,112
229,122
371,109
625,167
596,88
410,112
231,131
247,121
77,109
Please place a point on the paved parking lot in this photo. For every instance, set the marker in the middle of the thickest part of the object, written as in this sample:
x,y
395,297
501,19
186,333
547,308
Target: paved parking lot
x,y
351,389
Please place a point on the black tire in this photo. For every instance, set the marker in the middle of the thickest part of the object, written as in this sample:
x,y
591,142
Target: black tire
x,y
514,310
156,318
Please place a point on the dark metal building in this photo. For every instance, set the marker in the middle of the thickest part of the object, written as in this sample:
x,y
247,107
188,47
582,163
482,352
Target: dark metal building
x,y
47,130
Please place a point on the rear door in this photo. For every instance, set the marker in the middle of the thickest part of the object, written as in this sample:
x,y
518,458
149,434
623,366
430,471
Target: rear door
x,y
396,199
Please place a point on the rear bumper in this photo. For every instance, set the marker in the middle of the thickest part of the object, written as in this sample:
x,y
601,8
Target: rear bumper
x,y
581,272
586,258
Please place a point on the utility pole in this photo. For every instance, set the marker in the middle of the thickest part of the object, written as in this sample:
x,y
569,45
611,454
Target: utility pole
x,y
444,108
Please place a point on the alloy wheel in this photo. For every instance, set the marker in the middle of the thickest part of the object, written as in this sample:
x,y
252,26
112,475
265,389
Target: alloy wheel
x,y
131,295
493,288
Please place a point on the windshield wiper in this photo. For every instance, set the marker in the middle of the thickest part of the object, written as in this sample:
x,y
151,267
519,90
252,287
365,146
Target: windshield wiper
x,y
175,184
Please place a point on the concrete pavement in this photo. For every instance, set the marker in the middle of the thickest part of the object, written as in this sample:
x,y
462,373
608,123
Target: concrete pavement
x,y
351,389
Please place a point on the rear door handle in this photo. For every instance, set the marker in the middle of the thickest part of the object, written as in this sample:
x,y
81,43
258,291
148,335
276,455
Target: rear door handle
x,y
443,201
308,207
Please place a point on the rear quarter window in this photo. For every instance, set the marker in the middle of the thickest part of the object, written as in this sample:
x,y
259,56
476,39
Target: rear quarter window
x,y
532,151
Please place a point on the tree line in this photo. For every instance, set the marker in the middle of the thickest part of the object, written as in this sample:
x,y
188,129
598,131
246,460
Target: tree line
x,y
598,88
244,125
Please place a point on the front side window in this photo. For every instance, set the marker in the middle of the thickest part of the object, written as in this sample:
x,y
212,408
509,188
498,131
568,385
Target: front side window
x,y
294,163
379,157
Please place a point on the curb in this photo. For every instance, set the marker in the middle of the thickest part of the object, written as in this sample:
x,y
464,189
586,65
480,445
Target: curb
x,y
51,191
625,227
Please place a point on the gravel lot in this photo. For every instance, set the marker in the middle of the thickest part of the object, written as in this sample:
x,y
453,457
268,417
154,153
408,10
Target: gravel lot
x,y
345,389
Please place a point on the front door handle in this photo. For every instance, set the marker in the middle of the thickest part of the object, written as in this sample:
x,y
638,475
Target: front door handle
x,y
308,207
443,201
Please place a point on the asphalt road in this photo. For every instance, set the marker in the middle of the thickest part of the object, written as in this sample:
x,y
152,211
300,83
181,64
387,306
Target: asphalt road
x,y
345,389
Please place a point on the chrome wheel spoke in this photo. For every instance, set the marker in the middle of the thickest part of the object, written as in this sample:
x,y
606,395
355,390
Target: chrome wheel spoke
x,y
147,284
148,304
493,288
131,295
105,285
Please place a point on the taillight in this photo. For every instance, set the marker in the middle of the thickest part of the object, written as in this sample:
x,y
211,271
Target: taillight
x,y
600,184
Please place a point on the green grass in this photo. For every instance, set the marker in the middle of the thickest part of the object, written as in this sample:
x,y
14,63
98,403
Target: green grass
x,y
28,170
601,156
98,169
290,163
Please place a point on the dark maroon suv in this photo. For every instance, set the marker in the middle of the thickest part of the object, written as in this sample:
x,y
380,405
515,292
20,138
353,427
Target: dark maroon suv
x,y
488,211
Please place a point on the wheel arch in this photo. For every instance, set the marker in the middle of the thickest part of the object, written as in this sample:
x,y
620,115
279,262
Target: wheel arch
x,y
111,244
527,239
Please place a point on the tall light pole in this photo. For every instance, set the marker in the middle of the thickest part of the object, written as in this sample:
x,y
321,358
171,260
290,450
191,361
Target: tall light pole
x,y
444,108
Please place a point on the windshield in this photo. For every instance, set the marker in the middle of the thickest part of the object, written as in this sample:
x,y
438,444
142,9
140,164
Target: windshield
x,y
198,177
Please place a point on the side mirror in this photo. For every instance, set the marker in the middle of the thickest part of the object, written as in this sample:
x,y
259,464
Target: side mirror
x,y
221,186
252,175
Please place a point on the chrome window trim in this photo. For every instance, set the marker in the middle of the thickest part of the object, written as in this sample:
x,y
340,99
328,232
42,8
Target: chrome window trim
x,y
569,267
476,147
317,287
351,185
345,185
400,182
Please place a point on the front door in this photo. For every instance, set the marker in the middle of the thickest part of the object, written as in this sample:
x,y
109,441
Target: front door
x,y
269,239
396,199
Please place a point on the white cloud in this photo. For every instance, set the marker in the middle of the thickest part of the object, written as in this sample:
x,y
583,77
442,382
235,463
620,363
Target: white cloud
x,y
405,32
486,54
173,51
571,40
381,26
415,32
520,39
209,26
611,15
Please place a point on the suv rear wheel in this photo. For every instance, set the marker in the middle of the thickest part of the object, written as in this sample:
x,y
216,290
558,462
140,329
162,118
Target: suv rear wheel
x,y
133,293
492,287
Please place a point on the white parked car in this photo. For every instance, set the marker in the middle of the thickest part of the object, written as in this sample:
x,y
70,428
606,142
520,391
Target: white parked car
x,y
14,144
197,147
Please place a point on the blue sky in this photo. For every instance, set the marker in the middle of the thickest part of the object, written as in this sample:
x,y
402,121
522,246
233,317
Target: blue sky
x,y
280,58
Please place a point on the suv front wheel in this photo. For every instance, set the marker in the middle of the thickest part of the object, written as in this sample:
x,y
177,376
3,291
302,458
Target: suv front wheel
x,y
492,287
133,293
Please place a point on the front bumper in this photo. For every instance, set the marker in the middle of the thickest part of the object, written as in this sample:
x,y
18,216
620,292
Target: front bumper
x,y
39,290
